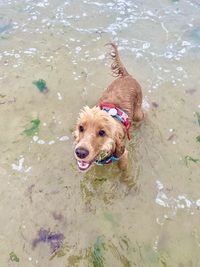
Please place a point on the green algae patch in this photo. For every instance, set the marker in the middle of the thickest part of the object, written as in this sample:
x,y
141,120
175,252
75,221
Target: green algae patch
x,y
198,117
97,252
33,129
41,85
13,257
188,158
198,138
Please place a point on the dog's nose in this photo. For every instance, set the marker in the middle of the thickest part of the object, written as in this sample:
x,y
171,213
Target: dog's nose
x,y
81,152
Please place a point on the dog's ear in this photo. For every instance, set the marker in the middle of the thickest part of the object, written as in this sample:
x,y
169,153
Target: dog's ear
x,y
75,133
119,144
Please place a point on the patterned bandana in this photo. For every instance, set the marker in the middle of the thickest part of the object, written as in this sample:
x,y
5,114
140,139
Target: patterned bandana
x,y
117,113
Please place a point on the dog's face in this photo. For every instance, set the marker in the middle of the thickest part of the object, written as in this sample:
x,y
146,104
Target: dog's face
x,y
96,133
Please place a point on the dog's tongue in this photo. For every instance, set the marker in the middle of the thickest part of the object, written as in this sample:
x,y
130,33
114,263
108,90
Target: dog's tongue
x,y
83,164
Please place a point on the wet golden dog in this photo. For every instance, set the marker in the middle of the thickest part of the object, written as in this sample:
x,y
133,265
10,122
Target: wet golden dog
x,y
100,134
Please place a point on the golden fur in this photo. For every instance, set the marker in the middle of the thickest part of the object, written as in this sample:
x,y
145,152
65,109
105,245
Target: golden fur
x,y
126,94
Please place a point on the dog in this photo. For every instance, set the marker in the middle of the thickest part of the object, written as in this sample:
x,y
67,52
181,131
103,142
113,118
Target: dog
x,y
101,131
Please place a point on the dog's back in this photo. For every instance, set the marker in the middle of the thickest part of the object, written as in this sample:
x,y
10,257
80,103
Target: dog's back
x,y
125,92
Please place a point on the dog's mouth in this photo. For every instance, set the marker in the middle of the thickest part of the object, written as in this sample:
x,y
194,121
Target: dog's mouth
x,y
84,165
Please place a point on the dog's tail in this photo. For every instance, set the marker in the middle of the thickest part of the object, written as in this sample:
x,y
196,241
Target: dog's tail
x,y
117,67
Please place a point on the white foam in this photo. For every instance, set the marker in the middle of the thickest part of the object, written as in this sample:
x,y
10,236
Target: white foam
x,y
35,138
51,142
145,104
64,138
20,167
179,202
59,96
41,142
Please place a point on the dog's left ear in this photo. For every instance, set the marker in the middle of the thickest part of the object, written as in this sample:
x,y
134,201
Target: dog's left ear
x,y
120,144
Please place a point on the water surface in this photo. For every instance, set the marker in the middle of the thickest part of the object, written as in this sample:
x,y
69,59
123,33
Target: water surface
x,y
105,222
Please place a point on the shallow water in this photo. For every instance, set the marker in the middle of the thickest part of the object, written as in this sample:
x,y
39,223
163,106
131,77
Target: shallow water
x,y
105,222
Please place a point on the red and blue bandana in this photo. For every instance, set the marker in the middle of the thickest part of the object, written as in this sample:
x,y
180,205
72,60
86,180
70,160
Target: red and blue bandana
x,y
117,113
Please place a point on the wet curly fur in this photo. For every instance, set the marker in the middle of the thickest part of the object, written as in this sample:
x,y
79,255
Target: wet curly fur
x,y
125,92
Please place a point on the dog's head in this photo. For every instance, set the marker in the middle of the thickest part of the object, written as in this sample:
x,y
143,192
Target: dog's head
x,y
96,133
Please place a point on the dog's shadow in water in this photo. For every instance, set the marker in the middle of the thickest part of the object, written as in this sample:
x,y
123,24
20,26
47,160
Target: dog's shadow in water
x,y
105,184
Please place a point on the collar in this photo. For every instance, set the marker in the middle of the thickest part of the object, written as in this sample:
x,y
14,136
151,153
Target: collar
x,y
117,113
108,160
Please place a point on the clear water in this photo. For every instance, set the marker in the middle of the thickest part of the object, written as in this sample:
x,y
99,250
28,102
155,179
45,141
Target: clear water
x,y
105,222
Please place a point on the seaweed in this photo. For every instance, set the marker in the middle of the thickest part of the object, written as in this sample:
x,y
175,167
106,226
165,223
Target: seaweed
x,y
13,257
55,240
198,117
41,85
35,127
188,158
97,253
198,138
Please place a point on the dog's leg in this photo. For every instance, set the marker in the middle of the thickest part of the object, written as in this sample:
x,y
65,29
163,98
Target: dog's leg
x,y
139,115
123,161
125,172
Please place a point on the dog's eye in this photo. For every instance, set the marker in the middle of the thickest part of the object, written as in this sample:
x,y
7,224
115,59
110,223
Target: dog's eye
x,y
81,129
102,133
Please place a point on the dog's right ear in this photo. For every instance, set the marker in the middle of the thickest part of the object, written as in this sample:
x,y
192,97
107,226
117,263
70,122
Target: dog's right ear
x,y
75,133
83,111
